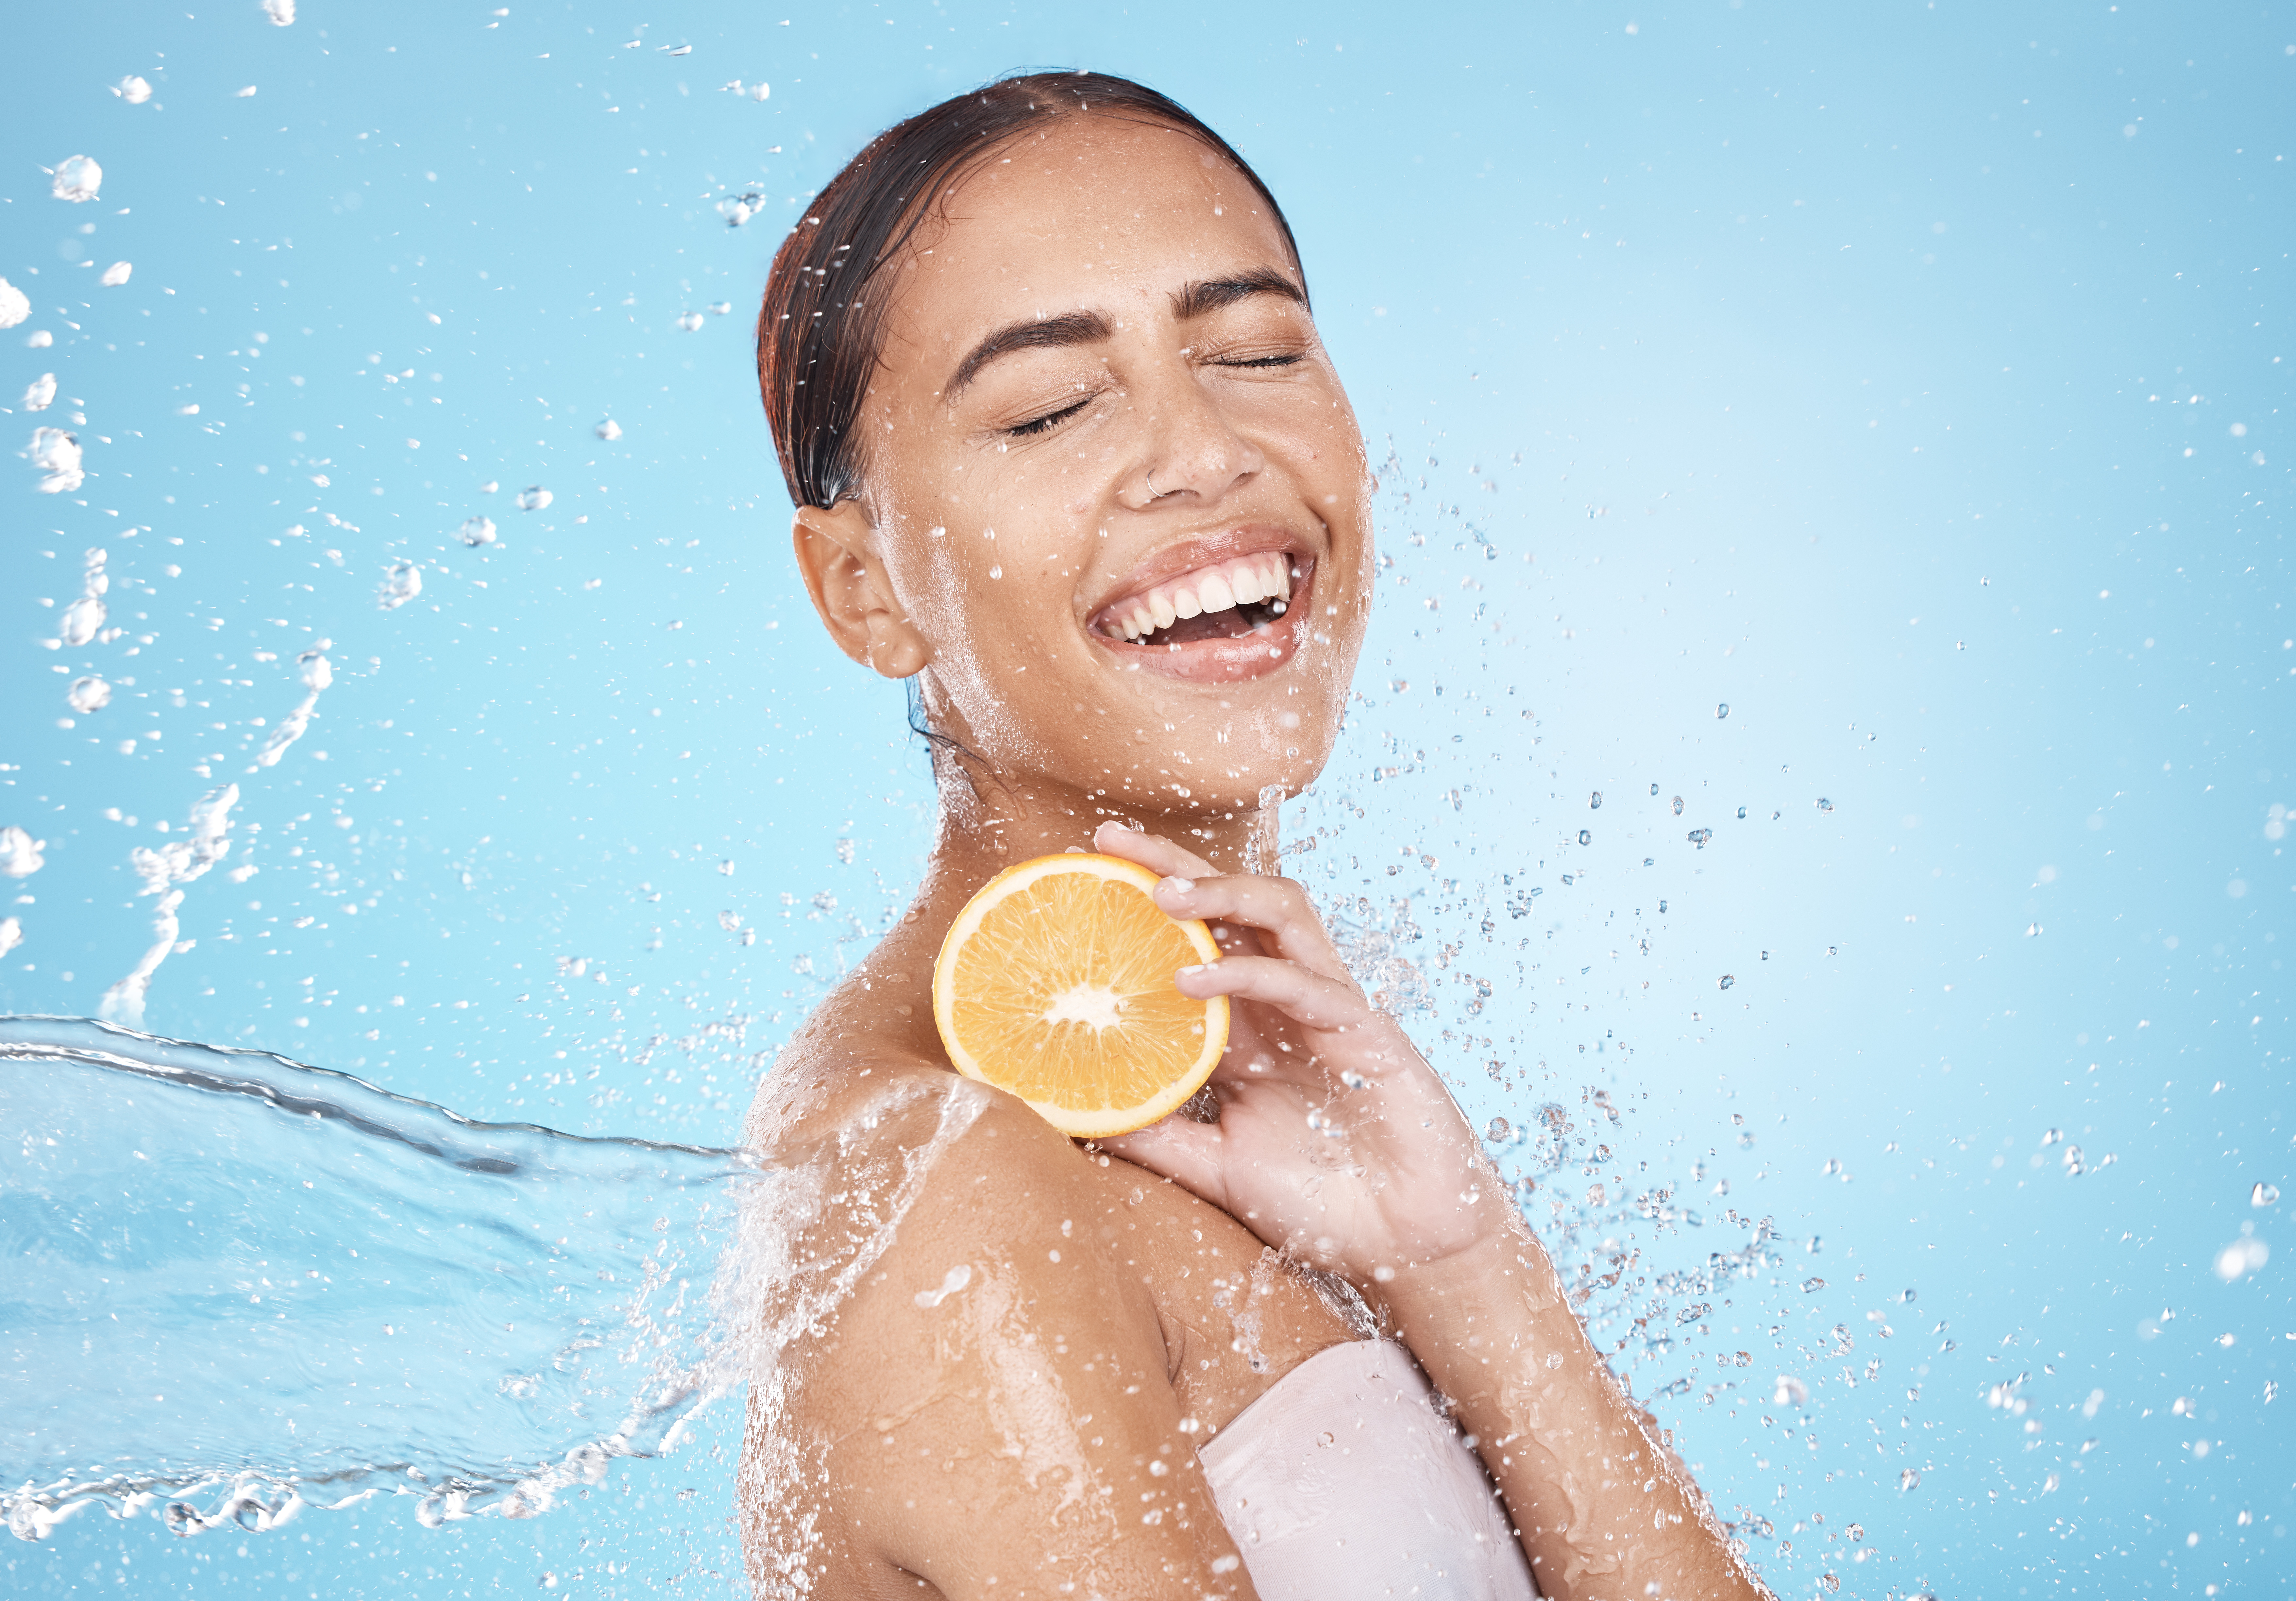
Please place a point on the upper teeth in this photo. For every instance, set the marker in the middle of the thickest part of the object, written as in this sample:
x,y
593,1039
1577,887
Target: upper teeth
x,y
1223,585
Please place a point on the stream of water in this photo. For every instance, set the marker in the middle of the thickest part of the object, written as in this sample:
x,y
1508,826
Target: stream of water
x,y
238,1286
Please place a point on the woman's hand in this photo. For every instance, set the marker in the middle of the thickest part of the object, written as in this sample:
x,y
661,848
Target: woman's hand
x,y
1335,1141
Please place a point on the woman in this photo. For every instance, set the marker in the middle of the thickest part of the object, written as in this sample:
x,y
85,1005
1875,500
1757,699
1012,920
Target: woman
x,y
1069,457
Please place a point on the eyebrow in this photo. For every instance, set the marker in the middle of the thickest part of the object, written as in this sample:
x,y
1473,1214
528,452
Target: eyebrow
x,y
1200,299
1192,300
1038,334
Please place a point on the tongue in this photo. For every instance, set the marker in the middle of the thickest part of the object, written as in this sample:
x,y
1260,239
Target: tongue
x,y
1208,624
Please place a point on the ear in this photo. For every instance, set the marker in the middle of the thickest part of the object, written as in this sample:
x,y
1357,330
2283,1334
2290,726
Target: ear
x,y
851,591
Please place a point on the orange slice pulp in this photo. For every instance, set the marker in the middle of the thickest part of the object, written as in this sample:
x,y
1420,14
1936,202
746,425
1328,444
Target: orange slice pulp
x,y
1055,983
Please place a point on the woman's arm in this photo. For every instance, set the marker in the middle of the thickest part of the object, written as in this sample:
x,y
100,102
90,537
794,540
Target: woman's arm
x,y
1337,1141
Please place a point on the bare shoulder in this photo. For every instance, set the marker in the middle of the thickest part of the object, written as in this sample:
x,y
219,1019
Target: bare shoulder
x,y
953,1331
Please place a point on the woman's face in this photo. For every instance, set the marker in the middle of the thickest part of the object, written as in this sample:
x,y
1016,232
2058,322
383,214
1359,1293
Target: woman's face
x,y
1115,497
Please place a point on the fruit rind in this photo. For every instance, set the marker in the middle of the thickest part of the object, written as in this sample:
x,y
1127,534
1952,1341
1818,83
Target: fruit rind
x,y
1077,1125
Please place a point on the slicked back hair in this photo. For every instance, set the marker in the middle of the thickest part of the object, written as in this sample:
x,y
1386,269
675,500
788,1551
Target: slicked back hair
x,y
819,328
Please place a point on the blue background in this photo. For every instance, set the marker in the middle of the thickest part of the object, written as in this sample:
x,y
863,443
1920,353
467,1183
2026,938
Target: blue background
x,y
1909,378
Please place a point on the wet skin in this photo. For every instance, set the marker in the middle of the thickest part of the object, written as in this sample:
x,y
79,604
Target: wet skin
x,y
1099,353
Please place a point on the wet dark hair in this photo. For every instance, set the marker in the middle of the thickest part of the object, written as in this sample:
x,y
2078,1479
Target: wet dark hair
x,y
819,327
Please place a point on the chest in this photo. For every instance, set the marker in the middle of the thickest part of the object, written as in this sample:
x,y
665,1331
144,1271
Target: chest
x,y
1235,1317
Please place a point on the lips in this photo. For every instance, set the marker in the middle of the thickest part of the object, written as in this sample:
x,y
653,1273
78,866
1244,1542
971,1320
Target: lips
x,y
1210,612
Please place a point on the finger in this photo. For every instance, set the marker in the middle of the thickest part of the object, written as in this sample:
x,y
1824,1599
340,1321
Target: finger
x,y
1275,906
1151,851
1308,998
1191,1154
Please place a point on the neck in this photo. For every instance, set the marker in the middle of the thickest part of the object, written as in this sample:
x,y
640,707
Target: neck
x,y
990,821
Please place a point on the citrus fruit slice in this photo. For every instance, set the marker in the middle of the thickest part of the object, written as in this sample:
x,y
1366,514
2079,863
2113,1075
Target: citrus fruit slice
x,y
1055,983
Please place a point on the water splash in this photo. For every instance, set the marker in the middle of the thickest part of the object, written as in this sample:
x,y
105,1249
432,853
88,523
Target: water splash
x,y
15,305
402,581
56,452
177,863
133,89
241,1286
84,619
19,853
77,178
40,393
316,672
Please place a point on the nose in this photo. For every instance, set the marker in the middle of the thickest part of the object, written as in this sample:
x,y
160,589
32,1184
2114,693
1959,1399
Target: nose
x,y
1192,449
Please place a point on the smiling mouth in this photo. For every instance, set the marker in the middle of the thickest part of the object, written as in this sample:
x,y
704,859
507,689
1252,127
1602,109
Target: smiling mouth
x,y
1223,600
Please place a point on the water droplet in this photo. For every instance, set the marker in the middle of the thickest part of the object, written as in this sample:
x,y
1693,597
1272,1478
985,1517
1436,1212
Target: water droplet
x,y
19,853
476,531
534,498
56,453
1677,805
738,209
1909,1479
1742,812
1653,789
997,572
1812,1286
726,866
2050,1137
1824,804
1586,837
1857,1532
729,920
88,694
133,90
77,179
117,274
720,308
690,321
1596,803
2264,1194
40,393
2244,1255
951,1282
402,581
1725,980
2072,1159
1499,1129
1722,710
1699,836
15,306
1791,1391
609,431
80,620
39,339
282,12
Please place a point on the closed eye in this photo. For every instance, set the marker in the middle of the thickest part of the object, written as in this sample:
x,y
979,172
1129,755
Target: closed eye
x,y
1049,421
1259,361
